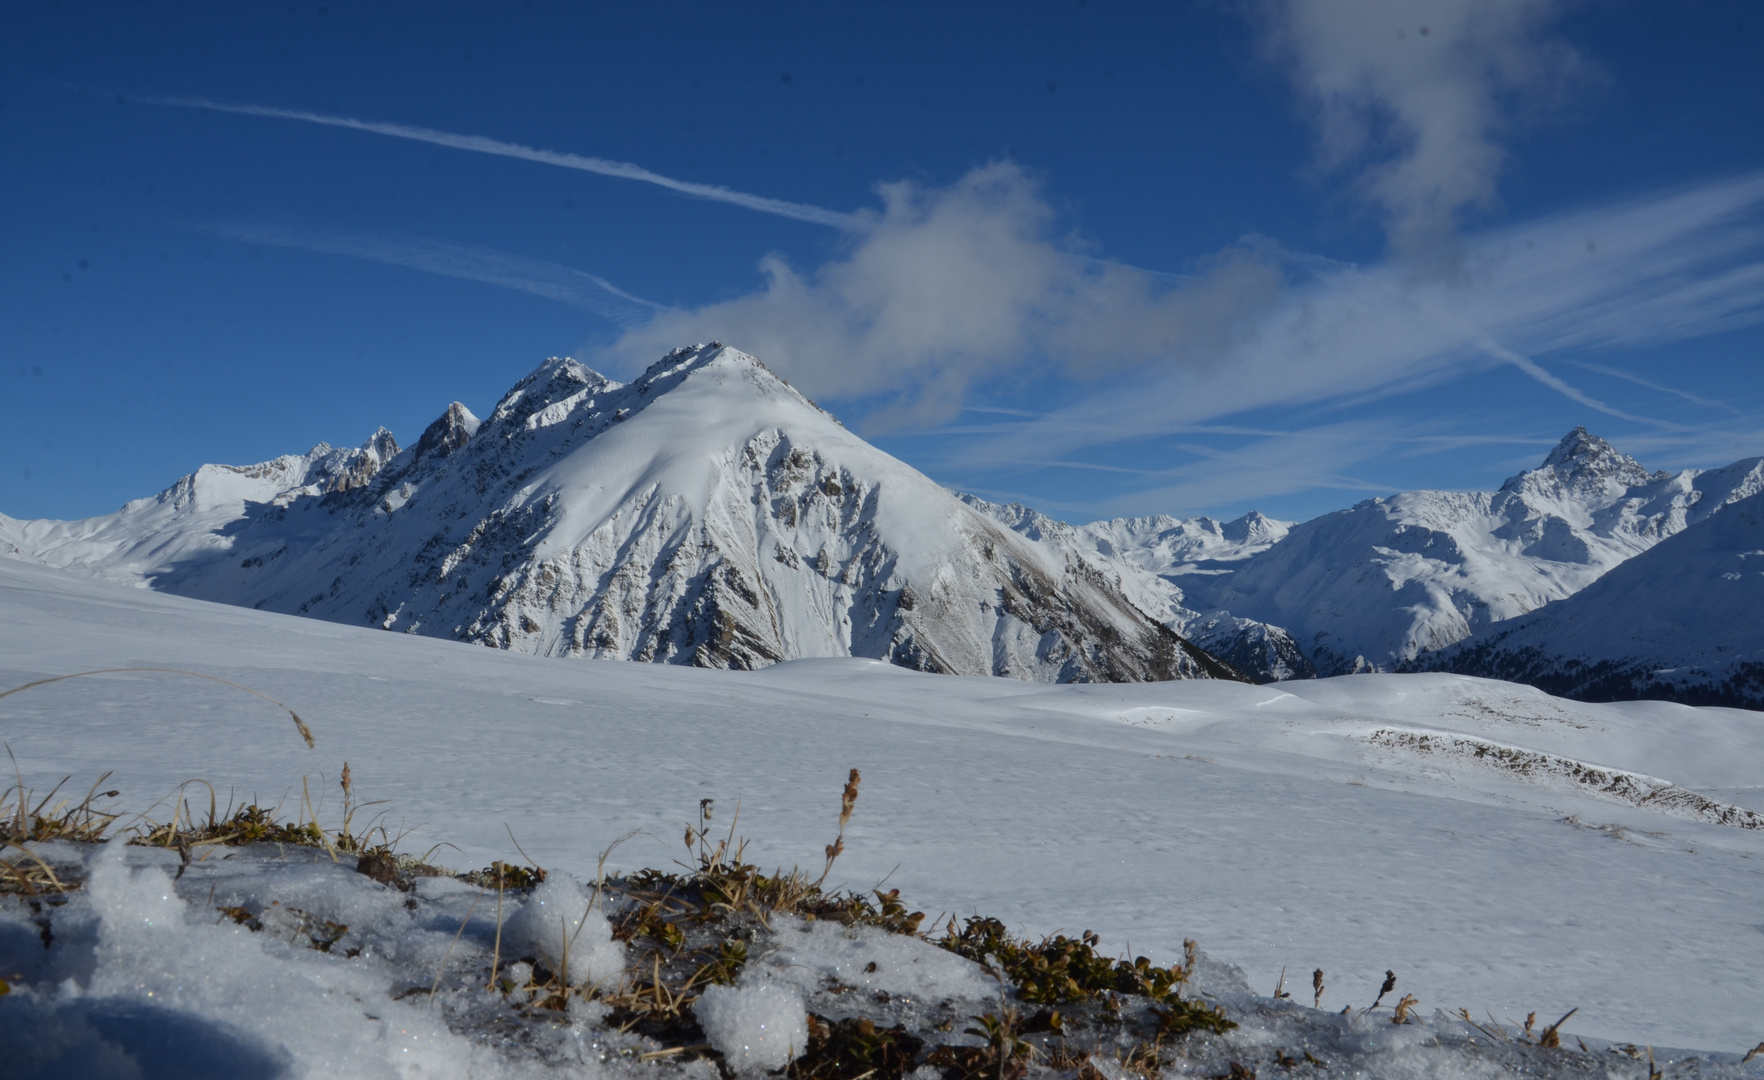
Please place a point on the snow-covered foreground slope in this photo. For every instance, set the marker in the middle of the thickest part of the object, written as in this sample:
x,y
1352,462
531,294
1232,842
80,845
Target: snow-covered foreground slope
x,y
1679,621
706,513
1498,848
1370,587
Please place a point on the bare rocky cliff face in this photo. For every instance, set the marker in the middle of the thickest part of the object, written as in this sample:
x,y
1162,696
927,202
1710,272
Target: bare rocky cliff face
x,y
705,514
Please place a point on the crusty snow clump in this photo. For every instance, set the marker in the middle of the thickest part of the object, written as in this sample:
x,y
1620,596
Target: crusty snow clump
x,y
555,919
757,1027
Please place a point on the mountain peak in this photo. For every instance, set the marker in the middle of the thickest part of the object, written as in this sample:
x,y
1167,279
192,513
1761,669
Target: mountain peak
x,y
346,470
559,378
688,359
717,359
452,430
1580,445
1581,463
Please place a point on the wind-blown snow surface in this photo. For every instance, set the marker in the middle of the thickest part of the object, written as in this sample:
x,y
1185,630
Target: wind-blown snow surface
x,y
1677,621
706,513
1497,847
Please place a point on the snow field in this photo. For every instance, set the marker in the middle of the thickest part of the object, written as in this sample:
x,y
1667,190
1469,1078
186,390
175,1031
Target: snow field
x,y
1258,820
144,982
140,979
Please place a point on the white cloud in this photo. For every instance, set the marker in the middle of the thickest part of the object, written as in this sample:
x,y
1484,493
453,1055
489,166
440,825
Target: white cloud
x,y
949,287
1424,88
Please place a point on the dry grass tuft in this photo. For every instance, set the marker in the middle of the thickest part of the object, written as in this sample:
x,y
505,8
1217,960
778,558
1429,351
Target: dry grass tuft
x,y
1401,1014
26,818
684,931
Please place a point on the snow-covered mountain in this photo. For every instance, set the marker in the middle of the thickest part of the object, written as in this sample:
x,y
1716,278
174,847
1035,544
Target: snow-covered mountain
x,y
1372,586
705,513
188,522
1679,621
1148,555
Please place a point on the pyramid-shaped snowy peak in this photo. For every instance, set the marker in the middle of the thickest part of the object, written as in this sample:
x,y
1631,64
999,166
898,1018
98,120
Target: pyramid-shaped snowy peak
x,y
705,513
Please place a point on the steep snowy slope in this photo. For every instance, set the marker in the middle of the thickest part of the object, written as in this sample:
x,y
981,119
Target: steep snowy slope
x,y
1681,621
1372,586
706,513
1148,555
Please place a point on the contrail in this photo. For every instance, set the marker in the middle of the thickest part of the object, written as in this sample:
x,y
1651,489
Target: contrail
x,y
816,215
553,281
1694,399
1530,367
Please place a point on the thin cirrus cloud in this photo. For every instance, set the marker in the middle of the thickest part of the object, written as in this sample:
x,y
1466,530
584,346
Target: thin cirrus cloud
x,y
951,288
470,262
1666,268
945,290
624,170
1676,391
1274,463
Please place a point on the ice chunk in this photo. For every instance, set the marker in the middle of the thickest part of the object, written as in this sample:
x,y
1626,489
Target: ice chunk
x,y
756,1027
556,923
137,909
869,957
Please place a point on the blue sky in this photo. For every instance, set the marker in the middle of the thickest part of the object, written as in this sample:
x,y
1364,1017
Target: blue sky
x,y
1103,258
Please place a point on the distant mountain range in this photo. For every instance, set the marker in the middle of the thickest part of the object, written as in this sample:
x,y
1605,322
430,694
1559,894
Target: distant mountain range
x,y
707,513
1679,621
1385,584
